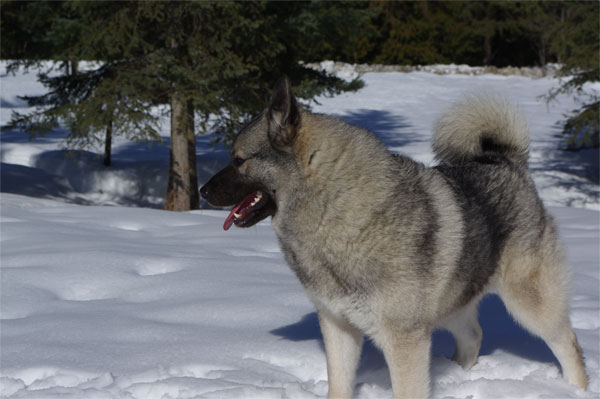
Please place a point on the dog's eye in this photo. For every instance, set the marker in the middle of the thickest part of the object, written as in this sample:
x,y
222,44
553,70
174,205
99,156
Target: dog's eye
x,y
237,161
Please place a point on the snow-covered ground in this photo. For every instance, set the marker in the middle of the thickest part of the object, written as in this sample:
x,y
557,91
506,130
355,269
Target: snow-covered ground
x,y
128,302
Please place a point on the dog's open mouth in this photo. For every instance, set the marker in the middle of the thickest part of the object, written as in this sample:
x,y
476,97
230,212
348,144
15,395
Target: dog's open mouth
x,y
251,210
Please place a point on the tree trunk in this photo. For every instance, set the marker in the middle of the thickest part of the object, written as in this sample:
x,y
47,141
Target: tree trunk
x,y
561,48
487,48
71,66
108,144
182,189
542,53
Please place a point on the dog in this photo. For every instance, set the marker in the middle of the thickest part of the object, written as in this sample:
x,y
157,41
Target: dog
x,y
392,249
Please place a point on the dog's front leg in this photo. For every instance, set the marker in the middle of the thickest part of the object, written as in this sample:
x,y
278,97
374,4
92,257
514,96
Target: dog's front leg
x,y
343,344
407,354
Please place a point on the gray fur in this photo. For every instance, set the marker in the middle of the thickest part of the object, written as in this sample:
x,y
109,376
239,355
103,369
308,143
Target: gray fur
x,y
389,248
480,124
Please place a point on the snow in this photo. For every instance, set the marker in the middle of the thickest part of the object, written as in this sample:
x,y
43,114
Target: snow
x,y
129,301
350,71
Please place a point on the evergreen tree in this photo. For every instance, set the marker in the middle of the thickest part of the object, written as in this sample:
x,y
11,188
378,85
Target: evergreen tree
x,y
21,22
334,30
541,21
212,63
577,44
476,33
94,104
414,33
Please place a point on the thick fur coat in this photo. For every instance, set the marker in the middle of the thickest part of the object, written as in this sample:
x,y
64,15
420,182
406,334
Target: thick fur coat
x,y
389,248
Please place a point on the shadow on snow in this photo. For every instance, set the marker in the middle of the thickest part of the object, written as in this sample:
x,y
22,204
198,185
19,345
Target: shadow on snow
x,y
137,176
500,332
393,130
17,136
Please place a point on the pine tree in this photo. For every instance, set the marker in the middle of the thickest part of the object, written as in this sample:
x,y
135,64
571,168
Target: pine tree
x,y
577,43
541,21
94,104
334,30
20,23
211,63
414,35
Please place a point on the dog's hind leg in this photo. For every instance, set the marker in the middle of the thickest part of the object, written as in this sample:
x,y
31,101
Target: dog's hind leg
x,y
467,334
556,331
343,344
534,288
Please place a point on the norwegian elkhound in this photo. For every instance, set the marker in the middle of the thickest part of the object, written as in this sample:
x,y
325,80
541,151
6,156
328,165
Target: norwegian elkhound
x,y
390,248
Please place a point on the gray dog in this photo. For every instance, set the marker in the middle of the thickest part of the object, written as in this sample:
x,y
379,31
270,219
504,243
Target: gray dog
x,y
390,248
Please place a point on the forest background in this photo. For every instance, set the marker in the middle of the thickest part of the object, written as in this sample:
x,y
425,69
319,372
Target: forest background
x,y
210,65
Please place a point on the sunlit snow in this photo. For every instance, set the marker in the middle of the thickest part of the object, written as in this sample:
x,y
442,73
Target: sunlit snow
x,y
129,301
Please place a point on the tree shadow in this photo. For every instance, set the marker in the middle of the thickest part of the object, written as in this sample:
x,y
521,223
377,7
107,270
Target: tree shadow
x,y
32,182
500,332
16,103
580,167
393,130
573,171
137,176
9,135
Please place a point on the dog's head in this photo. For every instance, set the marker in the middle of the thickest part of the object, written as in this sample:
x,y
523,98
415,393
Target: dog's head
x,y
259,156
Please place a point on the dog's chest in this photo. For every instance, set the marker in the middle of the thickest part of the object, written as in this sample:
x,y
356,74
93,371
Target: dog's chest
x,y
317,265
331,283
333,289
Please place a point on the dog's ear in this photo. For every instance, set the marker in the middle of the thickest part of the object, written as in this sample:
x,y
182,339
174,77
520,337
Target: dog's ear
x,y
283,115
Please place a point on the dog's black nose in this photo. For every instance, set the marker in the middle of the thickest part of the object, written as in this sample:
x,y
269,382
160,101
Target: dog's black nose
x,y
204,191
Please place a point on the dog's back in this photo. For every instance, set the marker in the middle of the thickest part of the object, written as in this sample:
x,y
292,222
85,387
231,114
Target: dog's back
x,y
482,145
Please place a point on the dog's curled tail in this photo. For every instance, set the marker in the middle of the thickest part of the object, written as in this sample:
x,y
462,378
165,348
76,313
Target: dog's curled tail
x,y
481,125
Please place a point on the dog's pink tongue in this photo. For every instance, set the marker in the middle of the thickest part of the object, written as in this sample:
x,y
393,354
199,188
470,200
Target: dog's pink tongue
x,y
229,220
241,209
